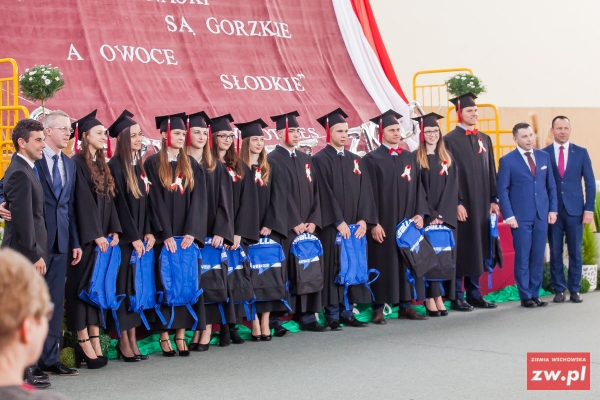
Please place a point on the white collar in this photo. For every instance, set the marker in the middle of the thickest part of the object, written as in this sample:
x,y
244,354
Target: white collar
x,y
523,151
31,164
336,150
288,150
170,157
50,153
390,147
464,127
565,145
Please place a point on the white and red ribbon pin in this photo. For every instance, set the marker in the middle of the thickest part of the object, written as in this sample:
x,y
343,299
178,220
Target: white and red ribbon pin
x,y
178,183
444,169
147,182
406,173
258,177
481,148
231,173
308,176
356,169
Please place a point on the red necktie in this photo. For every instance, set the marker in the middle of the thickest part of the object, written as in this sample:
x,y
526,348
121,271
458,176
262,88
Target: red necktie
x,y
561,161
473,132
531,163
397,151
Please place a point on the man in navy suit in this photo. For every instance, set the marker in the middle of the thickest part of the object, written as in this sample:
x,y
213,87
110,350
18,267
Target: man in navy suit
x,y
527,194
57,175
570,163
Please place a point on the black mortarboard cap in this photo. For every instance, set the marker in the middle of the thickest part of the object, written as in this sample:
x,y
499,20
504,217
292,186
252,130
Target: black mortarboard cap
x,y
222,123
390,117
177,121
199,120
84,124
466,100
252,128
291,120
426,120
337,116
124,121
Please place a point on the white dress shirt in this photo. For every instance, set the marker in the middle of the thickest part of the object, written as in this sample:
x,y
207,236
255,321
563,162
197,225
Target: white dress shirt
x,y
389,148
31,163
522,151
565,152
292,152
48,154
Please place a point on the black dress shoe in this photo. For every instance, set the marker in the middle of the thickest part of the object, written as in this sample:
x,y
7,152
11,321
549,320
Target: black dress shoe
x,y
482,303
59,369
333,324
34,382
575,298
559,297
280,331
235,335
224,336
314,327
461,305
353,322
38,373
528,303
539,302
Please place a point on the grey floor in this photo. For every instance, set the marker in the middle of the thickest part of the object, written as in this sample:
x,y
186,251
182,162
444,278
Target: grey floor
x,y
476,355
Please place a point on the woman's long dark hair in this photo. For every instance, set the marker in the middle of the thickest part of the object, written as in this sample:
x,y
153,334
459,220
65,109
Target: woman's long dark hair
x,y
123,153
231,158
99,169
440,150
207,157
263,163
165,173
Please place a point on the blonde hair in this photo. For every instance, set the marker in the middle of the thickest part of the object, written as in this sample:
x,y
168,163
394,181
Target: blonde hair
x,y
23,293
440,150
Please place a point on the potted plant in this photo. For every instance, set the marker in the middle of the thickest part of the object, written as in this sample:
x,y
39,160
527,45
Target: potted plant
x,y
589,252
41,83
464,83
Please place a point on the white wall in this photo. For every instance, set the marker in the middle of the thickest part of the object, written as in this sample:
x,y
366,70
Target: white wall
x,y
529,53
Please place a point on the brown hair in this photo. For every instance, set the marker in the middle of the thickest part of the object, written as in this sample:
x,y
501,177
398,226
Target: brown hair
x,y
23,293
263,164
99,169
123,153
231,158
440,150
165,173
207,156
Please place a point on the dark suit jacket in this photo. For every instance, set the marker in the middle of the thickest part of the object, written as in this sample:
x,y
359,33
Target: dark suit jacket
x,y
568,188
521,195
60,214
26,231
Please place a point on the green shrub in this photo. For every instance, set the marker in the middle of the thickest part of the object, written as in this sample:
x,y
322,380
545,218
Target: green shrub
x,y
67,357
464,83
547,278
585,285
589,250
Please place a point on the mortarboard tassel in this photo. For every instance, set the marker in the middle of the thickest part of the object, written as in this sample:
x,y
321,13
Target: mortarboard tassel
x,y
287,135
169,132
239,134
108,149
188,139
458,111
327,131
380,130
76,144
210,137
422,126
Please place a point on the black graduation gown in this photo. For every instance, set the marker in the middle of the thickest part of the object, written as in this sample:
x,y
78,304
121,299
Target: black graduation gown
x,y
396,198
134,216
347,196
272,201
178,215
219,191
96,217
477,186
303,206
441,192
245,221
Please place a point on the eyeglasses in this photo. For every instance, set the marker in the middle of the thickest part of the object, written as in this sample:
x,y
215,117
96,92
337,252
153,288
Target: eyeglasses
x,y
63,129
436,132
226,137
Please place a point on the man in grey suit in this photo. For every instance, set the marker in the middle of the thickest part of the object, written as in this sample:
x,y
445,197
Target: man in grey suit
x,y
26,231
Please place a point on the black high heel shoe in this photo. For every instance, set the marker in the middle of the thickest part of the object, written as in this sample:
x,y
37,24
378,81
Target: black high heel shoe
x,y
256,338
91,363
266,338
443,313
432,313
182,353
141,357
170,353
120,354
235,335
224,336
98,337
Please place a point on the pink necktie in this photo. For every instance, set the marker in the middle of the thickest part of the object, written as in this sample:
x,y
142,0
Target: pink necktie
x,y
561,161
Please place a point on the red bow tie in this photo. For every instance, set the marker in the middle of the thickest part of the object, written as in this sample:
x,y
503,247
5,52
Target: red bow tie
x,y
397,151
473,132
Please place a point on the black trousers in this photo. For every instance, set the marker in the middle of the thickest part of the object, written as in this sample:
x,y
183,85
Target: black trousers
x,y
56,272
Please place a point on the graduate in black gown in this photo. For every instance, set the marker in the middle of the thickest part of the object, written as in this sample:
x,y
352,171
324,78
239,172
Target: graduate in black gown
x,y
439,177
178,197
272,201
395,179
346,198
245,205
473,153
133,208
97,220
219,225
303,208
